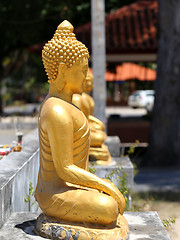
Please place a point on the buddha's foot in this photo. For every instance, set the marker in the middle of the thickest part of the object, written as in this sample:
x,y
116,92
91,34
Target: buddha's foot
x,y
100,154
51,228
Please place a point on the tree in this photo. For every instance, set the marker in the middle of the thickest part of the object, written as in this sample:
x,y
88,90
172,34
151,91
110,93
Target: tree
x,y
164,143
25,23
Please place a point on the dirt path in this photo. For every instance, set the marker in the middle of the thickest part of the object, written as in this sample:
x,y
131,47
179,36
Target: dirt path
x,y
166,204
167,210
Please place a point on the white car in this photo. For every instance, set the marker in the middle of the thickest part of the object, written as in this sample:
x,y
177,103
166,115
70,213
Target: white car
x,y
142,98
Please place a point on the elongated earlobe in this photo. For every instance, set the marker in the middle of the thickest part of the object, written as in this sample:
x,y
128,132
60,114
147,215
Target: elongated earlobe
x,y
60,77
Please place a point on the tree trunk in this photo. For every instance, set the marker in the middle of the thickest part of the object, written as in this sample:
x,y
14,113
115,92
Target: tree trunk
x,y
98,57
164,142
1,107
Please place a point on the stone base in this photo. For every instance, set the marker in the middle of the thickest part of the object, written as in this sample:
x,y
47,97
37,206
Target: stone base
x,y
142,225
146,225
100,155
51,228
113,144
117,168
103,156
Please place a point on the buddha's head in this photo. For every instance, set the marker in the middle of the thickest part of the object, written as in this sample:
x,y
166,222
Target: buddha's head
x,y
62,51
88,85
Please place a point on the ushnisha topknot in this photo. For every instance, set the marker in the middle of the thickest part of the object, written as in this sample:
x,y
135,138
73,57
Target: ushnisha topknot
x,y
62,48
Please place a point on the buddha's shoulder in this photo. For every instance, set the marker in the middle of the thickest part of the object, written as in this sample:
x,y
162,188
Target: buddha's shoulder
x,y
61,112
77,100
88,97
77,96
58,107
52,103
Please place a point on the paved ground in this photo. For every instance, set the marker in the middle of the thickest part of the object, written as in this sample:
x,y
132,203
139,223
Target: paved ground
x,y
165,179
167,210
9,126
125,111
26,109
7,136
165,183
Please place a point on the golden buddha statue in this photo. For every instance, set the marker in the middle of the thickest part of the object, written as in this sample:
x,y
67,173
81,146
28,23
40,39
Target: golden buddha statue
x,y
98,150
88,86
71,198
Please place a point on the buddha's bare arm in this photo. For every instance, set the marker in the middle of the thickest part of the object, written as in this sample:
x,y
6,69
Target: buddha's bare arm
x,y
77,100
59,126
81,104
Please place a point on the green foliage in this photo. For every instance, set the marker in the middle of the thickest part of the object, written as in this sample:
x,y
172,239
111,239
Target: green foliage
x,y
121,179
6,97
169,221
123,185
112,5
113,173
92,169
135,154
148,65
30,194
29,84
136,170
24,24
132,148
140,202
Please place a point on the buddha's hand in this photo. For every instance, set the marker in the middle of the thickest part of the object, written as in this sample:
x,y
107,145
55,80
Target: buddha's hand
x,y
117,195
108,181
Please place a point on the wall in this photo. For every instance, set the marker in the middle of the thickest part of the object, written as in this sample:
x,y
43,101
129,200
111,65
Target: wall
x,y
17,170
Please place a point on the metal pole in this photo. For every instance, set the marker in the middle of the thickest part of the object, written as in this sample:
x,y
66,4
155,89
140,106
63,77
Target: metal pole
x,y
98,57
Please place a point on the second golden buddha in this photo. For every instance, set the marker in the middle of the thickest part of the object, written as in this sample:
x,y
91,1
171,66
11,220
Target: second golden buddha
x,y
98,150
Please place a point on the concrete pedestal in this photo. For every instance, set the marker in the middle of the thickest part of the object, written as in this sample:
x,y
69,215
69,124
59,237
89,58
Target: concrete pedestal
x,y
143,225
17,171
120,166
146,226
113,144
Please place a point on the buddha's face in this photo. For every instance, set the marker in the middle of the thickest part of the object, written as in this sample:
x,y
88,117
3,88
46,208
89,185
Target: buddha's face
x,y
88,86
75,76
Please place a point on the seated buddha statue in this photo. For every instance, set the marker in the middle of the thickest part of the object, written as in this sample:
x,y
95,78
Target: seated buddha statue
x,y
98,150
66,191
88,86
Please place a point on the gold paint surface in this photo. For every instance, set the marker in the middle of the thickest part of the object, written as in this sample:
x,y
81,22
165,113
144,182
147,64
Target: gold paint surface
x,y
66,190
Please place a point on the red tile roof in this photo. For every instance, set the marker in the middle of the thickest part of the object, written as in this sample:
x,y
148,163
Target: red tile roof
x,y
132,28
110,77
128,71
